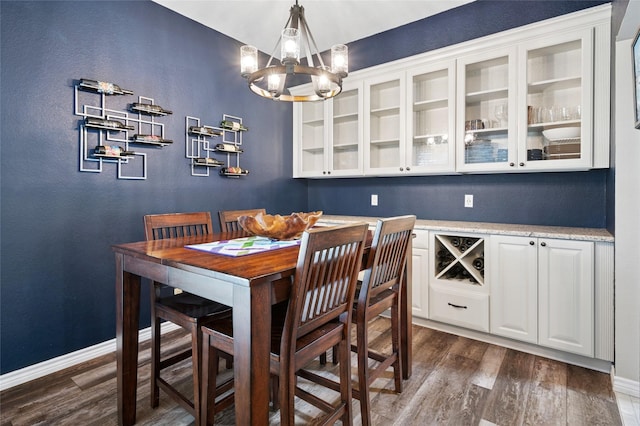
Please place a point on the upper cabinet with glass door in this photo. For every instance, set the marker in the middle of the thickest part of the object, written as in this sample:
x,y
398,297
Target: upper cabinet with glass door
x,y
556,92
384,124
431,119
345,112
486,111
310,140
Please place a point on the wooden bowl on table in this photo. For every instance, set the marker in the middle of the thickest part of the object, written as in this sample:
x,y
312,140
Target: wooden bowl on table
x,y
279,227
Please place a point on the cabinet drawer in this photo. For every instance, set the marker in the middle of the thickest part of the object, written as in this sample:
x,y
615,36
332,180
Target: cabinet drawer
x,y
456,307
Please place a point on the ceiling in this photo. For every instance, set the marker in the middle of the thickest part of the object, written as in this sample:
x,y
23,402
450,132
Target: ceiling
x,y
258,22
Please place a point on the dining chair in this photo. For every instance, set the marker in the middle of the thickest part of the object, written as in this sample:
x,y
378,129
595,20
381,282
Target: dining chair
x,y
187,310
229,218
379,291
317,318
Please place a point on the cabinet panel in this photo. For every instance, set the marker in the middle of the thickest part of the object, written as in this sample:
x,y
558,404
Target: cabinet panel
x,y
420,282
513,272
431,118
345,112
486,119
566,305
556,92
384,124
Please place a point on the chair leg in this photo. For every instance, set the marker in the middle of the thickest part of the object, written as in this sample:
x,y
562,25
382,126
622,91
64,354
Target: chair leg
x,y
286,397
155,352
395,346
344,353
210,365
363,371
196,353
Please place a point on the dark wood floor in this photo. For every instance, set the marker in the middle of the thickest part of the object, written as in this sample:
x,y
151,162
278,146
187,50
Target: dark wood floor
x,y
455,381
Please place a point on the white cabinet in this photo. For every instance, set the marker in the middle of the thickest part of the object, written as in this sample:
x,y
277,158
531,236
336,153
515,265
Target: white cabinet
x,y
555,94
486,111
328,135
419,274
489,105
565,295
513,271
384,124
431,119
542,291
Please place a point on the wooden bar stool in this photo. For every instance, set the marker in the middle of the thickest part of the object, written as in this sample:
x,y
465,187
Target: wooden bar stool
x,y
188,311
317,318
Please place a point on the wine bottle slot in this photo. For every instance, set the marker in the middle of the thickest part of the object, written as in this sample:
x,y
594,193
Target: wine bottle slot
x,y
103,87
478,263
233,125
455,241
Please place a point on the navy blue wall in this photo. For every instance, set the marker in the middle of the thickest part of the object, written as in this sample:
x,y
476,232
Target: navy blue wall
x,y
564,199
57,224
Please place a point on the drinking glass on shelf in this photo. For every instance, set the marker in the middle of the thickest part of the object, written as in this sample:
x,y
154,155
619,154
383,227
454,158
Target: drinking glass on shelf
x,y
501,113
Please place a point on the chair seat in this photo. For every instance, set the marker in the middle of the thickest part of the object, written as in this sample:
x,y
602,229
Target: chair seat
x,y
192,306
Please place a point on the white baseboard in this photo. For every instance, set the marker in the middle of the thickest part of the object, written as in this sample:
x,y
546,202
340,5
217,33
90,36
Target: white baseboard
x,y
626,386
53,365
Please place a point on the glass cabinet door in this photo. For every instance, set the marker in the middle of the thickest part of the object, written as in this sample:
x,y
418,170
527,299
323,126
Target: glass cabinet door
x,y
310,134
557,97
486,111
384,124
345,111
431,118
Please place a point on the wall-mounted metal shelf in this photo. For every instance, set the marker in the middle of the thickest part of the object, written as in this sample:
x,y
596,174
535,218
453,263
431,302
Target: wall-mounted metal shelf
x,y
104,133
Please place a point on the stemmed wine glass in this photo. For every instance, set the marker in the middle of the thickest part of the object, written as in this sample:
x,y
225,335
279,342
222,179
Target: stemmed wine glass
x,y
501,114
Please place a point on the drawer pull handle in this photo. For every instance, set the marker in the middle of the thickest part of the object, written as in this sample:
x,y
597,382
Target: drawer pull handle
x,y
457,306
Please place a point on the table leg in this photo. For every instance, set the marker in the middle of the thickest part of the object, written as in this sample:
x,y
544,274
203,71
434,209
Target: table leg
x,y
252,346
127,322
406,315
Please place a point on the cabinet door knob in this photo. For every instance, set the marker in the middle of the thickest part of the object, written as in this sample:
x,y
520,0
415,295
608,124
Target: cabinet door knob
x,y
531,243
408,168
543,244
401,169
329,172
511,164
521,164
324,172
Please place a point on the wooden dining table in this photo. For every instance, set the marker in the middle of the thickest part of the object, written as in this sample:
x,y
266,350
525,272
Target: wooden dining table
x,y
250,284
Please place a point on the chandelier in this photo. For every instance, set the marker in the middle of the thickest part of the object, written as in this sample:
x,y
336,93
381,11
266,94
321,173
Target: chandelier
x,y
273,81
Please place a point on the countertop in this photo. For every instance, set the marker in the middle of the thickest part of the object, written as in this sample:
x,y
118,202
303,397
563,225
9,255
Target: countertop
x,y
535,231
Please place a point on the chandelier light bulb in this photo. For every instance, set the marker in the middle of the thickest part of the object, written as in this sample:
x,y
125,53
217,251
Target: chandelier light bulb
x,y
290,52
340,60
248,60
273,83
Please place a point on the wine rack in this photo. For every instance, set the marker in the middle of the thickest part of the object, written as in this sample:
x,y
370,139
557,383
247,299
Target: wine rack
x,y
104,133
203,141
459,259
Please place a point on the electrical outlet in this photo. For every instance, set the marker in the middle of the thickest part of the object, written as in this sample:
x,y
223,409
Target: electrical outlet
x,y
374,199
468,201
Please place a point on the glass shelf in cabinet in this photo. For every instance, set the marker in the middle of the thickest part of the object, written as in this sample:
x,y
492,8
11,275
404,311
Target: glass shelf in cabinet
x,y
487,95
554,84
430,104
345,117
385,142
343,146
314,149
381,112
313,122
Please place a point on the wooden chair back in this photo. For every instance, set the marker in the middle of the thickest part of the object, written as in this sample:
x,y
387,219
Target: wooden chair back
x,y
174,225
325,279
387,258
229,218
